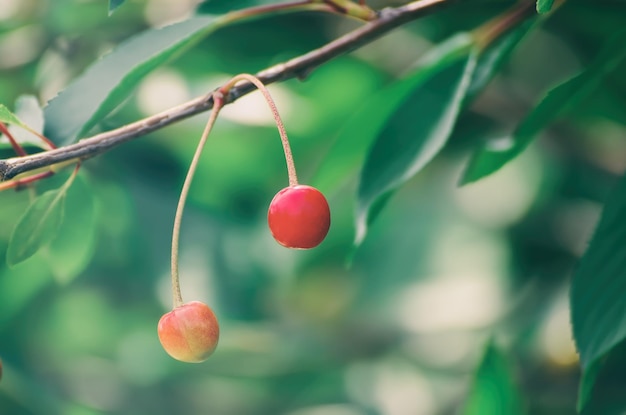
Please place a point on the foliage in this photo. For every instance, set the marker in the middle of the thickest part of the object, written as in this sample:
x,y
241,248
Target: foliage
x,y
558,100
544,6
37,226
429,101
494,390
114,4
110,80
522,104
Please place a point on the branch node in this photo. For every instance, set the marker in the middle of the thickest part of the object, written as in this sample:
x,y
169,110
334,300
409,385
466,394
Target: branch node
x,y
299,67
4,166
303,74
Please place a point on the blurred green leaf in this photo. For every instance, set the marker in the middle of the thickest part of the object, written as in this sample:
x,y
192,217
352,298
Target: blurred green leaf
x,y
225,6
38,226
8,117
426,104
347,153
494,391
29,112
114,4
544,6
492,155
587,381
491,59
72,249
96,335
597,305
110,80
18,293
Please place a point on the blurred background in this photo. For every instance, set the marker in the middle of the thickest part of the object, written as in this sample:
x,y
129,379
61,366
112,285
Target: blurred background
x,y
443,271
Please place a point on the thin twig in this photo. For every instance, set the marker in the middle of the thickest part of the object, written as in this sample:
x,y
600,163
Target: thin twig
x,y
298,67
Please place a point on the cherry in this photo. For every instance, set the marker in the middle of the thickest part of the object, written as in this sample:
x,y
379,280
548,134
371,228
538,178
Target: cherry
x,y
299,217
189,332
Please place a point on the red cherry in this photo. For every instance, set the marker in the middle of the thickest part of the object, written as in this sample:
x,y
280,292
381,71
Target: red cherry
x,y
189,333
299,217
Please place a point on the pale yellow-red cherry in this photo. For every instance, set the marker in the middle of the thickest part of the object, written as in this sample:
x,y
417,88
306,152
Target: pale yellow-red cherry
x,y
189,333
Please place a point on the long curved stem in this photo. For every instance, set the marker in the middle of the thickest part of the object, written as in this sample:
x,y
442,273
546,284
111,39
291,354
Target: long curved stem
x,y
218,103
291,167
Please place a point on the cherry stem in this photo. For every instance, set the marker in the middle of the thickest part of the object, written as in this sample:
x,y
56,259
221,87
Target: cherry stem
x,y
18,183
19,150
492,30
46,140
218,103
22,180
70,180
17,147
291,167
357,10
299,5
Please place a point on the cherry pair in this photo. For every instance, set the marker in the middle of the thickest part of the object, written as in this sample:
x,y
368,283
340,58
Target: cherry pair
x,y
298,218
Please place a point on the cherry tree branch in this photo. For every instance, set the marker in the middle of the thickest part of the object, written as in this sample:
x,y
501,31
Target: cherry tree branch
x,y
298,67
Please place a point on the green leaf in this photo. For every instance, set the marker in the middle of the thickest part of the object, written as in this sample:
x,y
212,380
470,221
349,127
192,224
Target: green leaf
x,y
225,6
30,114
114,4
37,227
109,81
348,153
491,59
602,384
18,293
72,249
597,301
426,104
587,381
544,6
492,155
494,391
8,117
